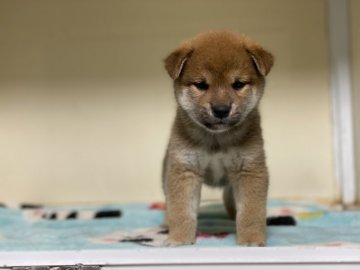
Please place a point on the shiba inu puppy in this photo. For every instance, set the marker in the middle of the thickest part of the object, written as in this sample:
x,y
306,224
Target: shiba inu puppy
x,y
216,138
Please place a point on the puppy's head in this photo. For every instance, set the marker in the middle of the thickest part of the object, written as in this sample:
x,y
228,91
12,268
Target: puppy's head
x,y
219,78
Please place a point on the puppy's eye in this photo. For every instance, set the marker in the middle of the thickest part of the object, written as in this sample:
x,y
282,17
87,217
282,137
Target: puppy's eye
x,y
201,85
237,85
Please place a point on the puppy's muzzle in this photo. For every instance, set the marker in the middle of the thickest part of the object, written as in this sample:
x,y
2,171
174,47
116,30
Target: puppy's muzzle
x,y
221,111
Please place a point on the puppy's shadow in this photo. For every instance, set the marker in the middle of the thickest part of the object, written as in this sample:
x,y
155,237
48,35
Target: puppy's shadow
x,y
213,219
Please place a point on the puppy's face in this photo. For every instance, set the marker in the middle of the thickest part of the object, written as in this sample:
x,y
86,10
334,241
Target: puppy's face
x,y
218,78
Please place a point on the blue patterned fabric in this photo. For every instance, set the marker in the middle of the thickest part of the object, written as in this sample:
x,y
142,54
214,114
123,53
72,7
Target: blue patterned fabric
x,y
76,228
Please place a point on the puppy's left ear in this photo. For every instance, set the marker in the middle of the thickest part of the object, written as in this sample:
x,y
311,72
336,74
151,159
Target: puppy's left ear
x,y
175,62
263,60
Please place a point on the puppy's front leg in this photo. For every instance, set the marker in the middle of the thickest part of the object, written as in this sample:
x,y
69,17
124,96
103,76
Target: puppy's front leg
x,y
250,190
182,192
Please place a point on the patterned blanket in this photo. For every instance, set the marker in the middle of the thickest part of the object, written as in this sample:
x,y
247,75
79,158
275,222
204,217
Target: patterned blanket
x,y
41,228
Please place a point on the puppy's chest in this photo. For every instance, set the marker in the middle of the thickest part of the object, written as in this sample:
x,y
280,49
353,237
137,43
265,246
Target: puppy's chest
x,y
214,167
215,170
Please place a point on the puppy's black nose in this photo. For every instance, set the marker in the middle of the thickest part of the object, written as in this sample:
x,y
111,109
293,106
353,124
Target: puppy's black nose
x,y
221,111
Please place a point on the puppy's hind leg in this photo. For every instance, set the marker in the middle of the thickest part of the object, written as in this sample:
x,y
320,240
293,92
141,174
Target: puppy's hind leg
x,y
229,201
165,223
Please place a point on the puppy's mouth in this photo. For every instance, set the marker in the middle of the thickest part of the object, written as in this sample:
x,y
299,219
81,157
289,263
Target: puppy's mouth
x,y
214,124
220,125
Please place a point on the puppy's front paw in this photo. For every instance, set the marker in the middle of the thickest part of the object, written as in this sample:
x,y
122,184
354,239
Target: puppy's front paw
x,y
175,243
251,239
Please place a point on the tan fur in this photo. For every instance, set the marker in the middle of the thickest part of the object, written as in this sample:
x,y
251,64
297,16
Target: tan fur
x,y
225,152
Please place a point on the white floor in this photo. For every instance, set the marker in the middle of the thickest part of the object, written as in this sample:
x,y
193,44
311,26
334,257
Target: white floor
x,y
193,258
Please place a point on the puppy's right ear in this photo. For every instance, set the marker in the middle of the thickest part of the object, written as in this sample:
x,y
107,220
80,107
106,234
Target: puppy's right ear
x,y
175,62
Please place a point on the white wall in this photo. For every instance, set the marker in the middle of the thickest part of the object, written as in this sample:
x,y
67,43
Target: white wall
x,y
86,107
355,30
